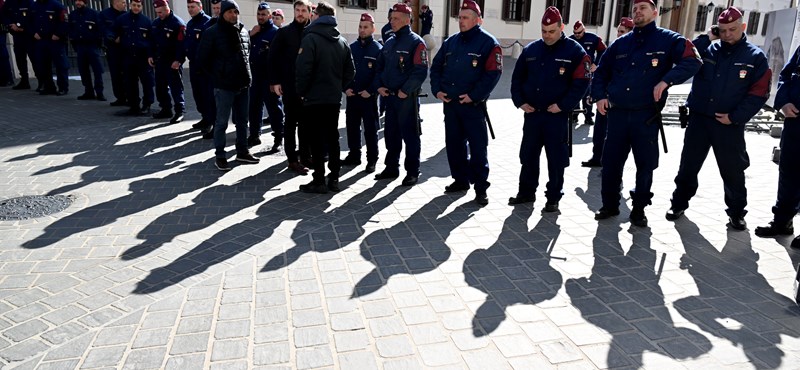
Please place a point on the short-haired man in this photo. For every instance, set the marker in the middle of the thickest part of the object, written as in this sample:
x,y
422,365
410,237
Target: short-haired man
x,y
132,33
594,47
463,74
114,51
549,80
261,36
50,45
87,37
202,91
630,85
729,90
223,55
167,54
323,49
278,18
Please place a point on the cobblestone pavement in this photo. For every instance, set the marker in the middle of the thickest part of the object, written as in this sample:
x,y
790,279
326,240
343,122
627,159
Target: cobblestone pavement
x,y
165,262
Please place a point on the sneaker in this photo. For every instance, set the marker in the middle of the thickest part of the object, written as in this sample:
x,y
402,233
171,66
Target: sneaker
x,y
737,223
351,160
387,175
521,199
674,214
410,180
481,198
246,158
796,243
370,168
604,213
222,164
638,217
298,168
775,229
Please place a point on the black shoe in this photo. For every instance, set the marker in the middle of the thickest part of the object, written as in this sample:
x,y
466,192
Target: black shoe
x,y
134,111
246,158
145,110
253,141
307,162
775,229
410,180
551,207
101,97
370,167
333,185
351,160
591,163
48,92
481,198
222,164
796,242
163,113
208,135
588,121
178,117
737,223
637,217
674,214
456,187
604,213
199,125
315,188
385,175
519,199
22,85
87,97
62,92
118,103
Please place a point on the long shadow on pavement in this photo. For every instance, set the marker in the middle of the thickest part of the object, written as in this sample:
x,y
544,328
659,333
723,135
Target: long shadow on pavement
x,y
515,270
731,288
624,298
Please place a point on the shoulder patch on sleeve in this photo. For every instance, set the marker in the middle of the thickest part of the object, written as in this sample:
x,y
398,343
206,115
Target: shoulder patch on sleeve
x,y
421,55
495,60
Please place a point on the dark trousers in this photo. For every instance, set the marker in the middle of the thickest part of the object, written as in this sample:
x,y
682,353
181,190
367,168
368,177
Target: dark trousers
x,y
6,75
788,203
362,110
587,107
88,64
323,121
203,93
627,132
137,70
599,136
169,82
115,69
466,139
295,142
548,131
702,134
261,96
402,126
49,53
23,49
231,104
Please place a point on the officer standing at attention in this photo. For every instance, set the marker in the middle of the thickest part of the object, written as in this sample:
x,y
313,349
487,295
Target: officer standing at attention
x,y
594,47
362,101
16,15
630,85
426,20
50,31
402,68
788,202
261,37
113,50
87,38
463,74
167,54
202,91
729,90
386,30
132,33
549,80
601,124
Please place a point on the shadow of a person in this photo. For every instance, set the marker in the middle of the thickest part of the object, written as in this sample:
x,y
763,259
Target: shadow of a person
x,y
492,271
591,196
623,297
731,288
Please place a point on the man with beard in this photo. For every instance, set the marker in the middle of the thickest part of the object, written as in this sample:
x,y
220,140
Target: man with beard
x,y
261,37
202,91
114,51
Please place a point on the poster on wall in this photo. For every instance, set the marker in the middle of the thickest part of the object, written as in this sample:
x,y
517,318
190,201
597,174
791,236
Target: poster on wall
x,y
783,37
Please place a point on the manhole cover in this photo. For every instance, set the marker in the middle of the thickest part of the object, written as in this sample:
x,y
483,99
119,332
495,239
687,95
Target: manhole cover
x,y
33,206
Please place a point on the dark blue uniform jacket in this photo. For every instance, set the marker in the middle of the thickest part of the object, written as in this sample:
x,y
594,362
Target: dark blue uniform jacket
x,y
365,57
468,63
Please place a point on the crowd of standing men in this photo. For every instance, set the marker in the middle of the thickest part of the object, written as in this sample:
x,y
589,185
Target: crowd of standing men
x,y
298,72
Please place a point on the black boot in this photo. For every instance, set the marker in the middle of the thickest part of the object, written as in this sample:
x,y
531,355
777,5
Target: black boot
x,y
23,84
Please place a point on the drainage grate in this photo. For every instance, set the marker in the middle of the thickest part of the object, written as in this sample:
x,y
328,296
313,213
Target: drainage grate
x,y
33,206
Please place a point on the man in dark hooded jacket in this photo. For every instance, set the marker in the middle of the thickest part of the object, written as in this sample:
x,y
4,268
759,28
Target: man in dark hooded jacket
x,y
324,69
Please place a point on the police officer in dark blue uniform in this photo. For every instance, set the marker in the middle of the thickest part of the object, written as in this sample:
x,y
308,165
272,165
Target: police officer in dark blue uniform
x,y
261,37
113,50
362,100
16,15
426,20
167,54
402,68
729,90
594,47
87,37
202,91
630,85
50,31
132,32
386,30
463,74
787,205
549,79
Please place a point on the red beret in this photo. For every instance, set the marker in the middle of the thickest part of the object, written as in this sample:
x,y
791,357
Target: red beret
x,y
551,16
366,17
159,3
626,22
136,1
651,2
578,25
277,12
471,5
401,8
193,1
729,15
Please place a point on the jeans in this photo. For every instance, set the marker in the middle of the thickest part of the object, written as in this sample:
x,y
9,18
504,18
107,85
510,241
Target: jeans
x,y
229,103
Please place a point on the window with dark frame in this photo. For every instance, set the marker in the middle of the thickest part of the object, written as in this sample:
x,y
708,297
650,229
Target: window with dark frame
x,y
766,24
516,10
623,10
563,7
752,23
455,7
363,4
594,12
717,11
702,18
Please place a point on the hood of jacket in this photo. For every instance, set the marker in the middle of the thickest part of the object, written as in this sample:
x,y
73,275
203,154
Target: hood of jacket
x,y
324,26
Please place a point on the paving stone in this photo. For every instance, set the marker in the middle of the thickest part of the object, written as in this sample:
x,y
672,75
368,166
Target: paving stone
x,y
229,350
234,311
394,347
439,354
73,349
560,352
58,365
26,330
271,333
183,344
64,333
311,336
302,319
159,320
106,356
64,314
514,345
22,351
427,334
270,354
351,340
358,360
271,315
386,326
152,338
232,329
309,358
407,363
485,359
346,321
151,358
186,362
194,324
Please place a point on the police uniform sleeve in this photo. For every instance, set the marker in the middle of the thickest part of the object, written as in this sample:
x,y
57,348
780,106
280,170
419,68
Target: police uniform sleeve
x,y
489,76
518,78
62,27
579,83
304,65
687,62
601,48
379,65
349,67
702,43
785,81
757,94
180,44
419,72
437,68
602,74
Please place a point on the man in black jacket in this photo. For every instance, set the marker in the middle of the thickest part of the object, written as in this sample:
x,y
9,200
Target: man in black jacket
x,y
223,55
281,64
324,69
